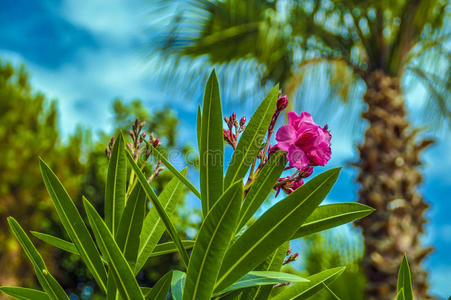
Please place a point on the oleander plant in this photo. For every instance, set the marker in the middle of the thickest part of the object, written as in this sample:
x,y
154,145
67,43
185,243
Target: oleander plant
x,y
234,255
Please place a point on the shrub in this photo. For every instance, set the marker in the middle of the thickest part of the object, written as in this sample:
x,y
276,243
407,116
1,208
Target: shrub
x,y
231,254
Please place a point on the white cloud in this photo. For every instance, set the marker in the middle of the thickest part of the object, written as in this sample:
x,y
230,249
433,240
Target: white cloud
x,y
110,18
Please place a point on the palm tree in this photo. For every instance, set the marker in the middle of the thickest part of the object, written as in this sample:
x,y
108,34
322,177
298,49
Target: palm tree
x,y
378,42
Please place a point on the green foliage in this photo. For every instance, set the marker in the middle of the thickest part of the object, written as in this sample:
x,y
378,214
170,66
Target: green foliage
x,y
252,139
29,129
211,146
214,236
221,263
330,250
405,281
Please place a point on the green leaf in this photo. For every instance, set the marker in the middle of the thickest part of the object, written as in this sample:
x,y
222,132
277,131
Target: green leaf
x,y
258,278
212,241
173,170
160,290
304,290
332,215
21,293
160,249
111,293
116,185
56,242
211,146
272,229
199,127
177,284
405,280
119,268
271,263
153,226
400,295
129,230
74,225
47,281
159,208
262,187
252,138
170,247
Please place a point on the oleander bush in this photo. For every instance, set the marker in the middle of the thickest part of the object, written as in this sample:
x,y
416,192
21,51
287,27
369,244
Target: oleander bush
x,y
233,255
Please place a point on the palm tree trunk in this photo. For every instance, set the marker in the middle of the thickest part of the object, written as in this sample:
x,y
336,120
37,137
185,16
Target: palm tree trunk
x,y
389,177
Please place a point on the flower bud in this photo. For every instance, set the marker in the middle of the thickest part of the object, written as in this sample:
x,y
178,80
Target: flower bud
x,y
156,143
282,103
143,135
243,121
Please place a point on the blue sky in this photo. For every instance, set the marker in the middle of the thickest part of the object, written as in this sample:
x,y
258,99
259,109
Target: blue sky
x,y
86,53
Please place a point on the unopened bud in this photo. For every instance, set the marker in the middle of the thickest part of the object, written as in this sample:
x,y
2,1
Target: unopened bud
x,y
243,121
233,117
156,143
143,135
282,103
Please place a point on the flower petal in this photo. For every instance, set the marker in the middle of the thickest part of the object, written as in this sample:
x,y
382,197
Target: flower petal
x,y
297,158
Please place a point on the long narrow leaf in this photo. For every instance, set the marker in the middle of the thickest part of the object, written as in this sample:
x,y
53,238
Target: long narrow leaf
x,y
170,247
262,187
304,290
74,225
252,138
47,281
160,290
211,243
332,215
211,146
177,284
159,208
173,170
56,242
115,185
405,280
123,274
259,278
199,127
129,230
21,293
272,229
153,226
271,263
159,249
400,295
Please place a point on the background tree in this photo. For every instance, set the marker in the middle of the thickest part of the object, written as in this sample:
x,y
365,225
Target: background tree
x,y
28,129
377,43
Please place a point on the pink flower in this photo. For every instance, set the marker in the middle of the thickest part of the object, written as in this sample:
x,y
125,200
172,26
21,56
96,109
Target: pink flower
x,y
306,143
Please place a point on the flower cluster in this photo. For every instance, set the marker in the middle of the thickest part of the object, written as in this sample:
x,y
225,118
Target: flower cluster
x,y
232,123
306,144
139,145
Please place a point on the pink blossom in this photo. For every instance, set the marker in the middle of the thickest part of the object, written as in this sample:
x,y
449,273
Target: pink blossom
x,y
306,143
